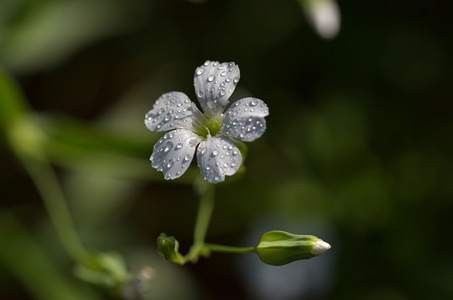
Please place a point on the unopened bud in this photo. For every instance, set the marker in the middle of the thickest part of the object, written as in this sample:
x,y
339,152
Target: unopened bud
x,y
168,247
279,247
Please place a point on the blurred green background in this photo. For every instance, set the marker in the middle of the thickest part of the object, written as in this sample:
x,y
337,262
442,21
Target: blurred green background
x,y
358,148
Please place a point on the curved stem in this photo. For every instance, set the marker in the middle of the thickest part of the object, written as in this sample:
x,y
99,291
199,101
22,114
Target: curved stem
x,y
54,200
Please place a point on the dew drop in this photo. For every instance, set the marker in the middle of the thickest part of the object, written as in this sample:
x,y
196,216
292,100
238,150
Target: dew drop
x,y
236,80
168,146
211,78
253,102
215,152
223,74
200,71
170,164
178,146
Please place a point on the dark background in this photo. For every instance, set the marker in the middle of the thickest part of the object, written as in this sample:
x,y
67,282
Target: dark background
x,y
357,150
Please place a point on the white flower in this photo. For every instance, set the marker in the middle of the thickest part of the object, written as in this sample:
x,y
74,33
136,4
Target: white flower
x,y
207,131
324,16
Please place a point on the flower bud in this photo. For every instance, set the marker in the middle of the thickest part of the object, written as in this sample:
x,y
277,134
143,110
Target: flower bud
x,y
279,247
168,247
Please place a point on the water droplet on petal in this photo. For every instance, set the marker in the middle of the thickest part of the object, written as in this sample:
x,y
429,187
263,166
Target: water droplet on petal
x,y
215,152
236,80
178,146
187,157
168,146
200,71
211,78
170,164
253,102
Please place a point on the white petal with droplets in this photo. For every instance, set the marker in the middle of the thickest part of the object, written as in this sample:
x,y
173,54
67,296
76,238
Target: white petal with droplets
x,y
171,111
244,120
214,83
218,157
174,152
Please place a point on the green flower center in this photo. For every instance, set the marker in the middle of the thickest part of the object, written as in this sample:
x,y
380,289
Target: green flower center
x,y
205,126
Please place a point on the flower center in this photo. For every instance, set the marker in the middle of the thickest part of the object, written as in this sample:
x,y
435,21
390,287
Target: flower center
x,y
208,126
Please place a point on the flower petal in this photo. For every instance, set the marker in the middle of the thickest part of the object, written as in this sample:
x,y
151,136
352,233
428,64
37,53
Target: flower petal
x,y
214,83
244,120
218,156
173,153
171,111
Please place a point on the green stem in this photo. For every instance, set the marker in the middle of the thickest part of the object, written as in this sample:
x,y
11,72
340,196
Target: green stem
x,y
168,245
54,200
205,209
229,249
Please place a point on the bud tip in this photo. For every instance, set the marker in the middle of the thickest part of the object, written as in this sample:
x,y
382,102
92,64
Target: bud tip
x,y
320,247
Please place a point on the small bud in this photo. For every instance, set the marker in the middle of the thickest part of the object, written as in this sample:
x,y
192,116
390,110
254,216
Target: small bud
x,y
168,247
279,247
